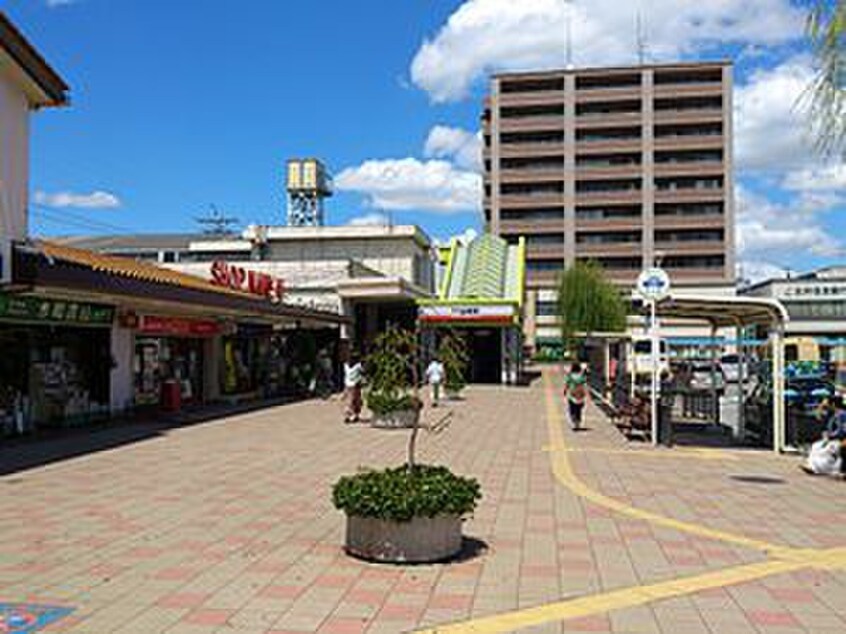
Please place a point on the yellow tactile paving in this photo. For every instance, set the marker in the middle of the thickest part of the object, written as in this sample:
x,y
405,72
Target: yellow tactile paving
x,y
696,454
617,599
782,559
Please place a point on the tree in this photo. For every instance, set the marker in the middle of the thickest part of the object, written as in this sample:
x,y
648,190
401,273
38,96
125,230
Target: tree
x,y
589,302
826,96
394,376
453,353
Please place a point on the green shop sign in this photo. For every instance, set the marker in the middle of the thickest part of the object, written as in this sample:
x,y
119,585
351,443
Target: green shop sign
x,y
55,311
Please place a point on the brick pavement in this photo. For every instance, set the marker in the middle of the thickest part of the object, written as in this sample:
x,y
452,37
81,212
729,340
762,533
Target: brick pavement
x,y
227,527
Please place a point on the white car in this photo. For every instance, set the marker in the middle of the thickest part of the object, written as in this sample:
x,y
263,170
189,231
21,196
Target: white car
x,y
730,366
642,356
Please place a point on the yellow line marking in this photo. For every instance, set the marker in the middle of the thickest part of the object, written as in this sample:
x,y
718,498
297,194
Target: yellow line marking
x,y
564,473
616,599
678,454
786,559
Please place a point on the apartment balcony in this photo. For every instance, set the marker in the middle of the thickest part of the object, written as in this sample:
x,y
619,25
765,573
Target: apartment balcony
x,y
542,279
531,124
531,227
689,142
602,172
545,251
693,168
533,175
608,119
693,89
622,197
704,275
615,93
606,146
691,195
529,150
691,247
608,249
697,115
609,224
541,97
623,277
690,222
531,200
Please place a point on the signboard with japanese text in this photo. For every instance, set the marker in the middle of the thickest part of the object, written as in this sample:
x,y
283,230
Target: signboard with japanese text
x,y
56,311
468,313
177,326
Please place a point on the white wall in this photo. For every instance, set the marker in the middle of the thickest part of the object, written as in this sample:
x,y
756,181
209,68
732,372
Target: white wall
x,y
14,159
122,377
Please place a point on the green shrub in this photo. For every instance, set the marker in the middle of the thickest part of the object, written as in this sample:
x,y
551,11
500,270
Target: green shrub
x,y
401,494
455,357
390,367
382,403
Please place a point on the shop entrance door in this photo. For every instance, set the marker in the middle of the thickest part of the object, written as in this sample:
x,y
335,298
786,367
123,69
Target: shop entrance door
x,y
485,356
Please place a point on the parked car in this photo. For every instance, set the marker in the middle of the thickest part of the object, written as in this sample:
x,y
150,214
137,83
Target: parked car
x,y
731,368
701,377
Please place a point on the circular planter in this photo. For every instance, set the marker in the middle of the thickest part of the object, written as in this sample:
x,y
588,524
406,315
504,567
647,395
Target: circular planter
x,y
400,419
420,540
453,395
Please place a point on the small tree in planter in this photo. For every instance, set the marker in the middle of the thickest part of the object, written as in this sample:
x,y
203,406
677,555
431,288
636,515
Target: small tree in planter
x,y
452,352
392,370
411,513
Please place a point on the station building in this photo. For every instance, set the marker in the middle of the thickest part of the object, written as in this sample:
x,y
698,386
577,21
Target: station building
x,y
482,295
816,304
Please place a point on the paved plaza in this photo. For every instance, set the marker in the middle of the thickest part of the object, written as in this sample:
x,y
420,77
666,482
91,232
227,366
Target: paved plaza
x,y
227,526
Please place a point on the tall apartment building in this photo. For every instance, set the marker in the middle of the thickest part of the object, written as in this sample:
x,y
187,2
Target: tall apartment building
x,y
624,166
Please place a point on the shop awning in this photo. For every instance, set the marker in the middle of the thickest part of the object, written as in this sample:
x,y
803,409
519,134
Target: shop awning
x,y
46,265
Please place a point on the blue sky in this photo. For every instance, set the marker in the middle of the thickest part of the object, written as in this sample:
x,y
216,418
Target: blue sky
x,y
179,105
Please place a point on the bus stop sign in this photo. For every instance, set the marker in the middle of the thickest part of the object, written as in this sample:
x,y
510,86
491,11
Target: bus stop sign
x,y
653,284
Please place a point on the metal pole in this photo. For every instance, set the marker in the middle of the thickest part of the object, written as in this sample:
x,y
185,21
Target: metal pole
x,y
654,341
715,400
777,341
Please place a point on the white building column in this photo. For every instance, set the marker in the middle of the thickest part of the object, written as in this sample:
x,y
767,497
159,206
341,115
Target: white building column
x,y
121,380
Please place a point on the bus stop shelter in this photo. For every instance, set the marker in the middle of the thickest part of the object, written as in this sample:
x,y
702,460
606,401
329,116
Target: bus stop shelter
x,y
740,313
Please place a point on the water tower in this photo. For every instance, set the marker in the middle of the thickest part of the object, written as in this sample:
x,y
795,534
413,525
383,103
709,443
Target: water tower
x,y
308,184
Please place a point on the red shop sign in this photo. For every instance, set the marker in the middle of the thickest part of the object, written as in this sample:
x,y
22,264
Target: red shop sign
x,y
177,326
241,279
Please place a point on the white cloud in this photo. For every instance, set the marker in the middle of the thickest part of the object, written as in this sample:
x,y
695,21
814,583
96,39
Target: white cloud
x,y
753,271
770,126
94,200
770,230
484,36
461,146
375,219
411,184
59,3
822,178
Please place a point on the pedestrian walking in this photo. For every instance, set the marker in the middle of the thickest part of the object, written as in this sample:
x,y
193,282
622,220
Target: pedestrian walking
x,y
435,374
575,388
353,380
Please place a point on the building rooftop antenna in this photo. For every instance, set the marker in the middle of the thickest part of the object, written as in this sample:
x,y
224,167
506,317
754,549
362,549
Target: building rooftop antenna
x,y
217,223
569,23
640,38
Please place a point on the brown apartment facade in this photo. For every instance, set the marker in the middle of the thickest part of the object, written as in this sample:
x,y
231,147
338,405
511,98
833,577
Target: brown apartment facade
x,y
624,166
